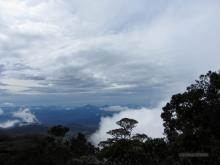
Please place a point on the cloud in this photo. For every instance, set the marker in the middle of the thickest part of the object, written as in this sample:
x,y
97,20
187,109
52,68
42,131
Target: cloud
x,y
25,115
115,108
9,123
101,51
7,104
149,122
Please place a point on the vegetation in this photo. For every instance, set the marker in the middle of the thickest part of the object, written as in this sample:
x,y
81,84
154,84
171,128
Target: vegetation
x,y
192,129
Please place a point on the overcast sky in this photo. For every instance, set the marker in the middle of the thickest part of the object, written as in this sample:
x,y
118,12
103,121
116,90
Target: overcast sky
x,y
117,52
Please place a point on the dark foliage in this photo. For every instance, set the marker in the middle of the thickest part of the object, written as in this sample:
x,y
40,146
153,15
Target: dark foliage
x,y
43,149
58,131
81,147
192,120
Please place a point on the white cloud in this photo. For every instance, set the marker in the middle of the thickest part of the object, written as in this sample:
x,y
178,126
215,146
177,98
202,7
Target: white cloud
x,y
9,123
25,115
149,122
115,108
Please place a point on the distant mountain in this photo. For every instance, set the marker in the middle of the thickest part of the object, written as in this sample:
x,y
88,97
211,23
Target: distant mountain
x,y
84,119
25,129
86,115
42,129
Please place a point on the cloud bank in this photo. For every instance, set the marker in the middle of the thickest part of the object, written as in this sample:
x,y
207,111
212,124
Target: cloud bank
x,y
21,117
9,123
25,115
115,108
99,52
149,122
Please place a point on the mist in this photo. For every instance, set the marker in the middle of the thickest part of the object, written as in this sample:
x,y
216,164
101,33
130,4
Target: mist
x,y
149,122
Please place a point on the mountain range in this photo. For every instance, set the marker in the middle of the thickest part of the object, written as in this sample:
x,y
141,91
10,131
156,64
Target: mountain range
x,y
37,119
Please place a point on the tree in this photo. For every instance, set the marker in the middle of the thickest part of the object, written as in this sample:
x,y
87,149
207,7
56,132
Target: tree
x,y
122,133
127,149
191,119
58,131
127,124
80,146
140,137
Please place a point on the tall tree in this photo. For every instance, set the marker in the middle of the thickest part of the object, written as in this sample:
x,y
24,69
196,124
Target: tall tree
x,y
123,133
192,119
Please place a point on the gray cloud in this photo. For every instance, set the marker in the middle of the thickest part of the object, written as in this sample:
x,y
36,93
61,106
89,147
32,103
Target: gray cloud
x,y
104,52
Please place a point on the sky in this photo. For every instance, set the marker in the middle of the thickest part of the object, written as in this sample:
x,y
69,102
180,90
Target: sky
x,y
115,52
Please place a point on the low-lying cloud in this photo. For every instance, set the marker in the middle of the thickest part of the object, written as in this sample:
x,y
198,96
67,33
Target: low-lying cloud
x,y
25,115
149,122
115,108
21,117
7,104
9,123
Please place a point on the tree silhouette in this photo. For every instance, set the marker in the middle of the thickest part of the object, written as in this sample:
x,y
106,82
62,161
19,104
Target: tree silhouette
x,y
58,131
127,125
191,119
122,133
